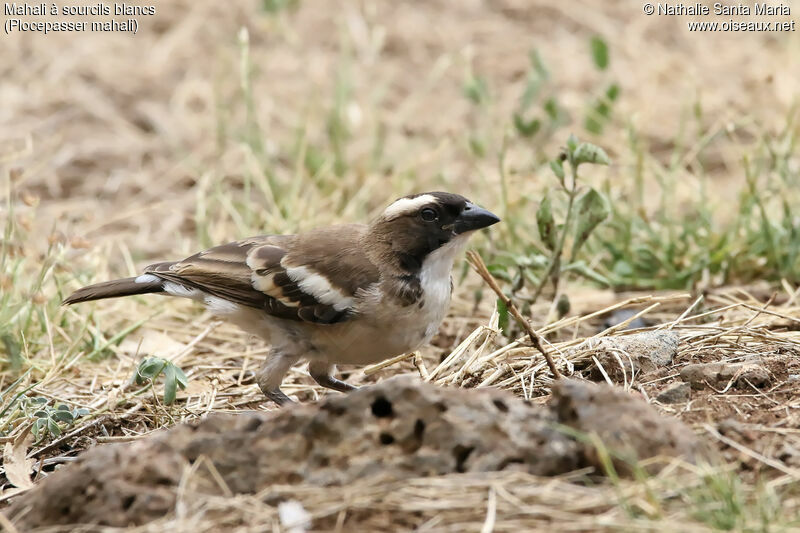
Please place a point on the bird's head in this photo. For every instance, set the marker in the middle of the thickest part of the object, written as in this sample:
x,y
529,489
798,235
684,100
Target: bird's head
x,y
414,227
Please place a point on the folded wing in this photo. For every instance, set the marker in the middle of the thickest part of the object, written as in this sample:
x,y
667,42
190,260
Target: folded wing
x,y
311,278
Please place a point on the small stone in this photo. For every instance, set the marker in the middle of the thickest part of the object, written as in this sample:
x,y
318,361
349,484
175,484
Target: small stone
x,y
719,374
639,353
675,393
755,375
698,374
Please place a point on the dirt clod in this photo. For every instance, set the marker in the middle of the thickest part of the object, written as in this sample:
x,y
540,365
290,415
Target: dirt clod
x,y
741,375
635,354
629,427
675,393
397,429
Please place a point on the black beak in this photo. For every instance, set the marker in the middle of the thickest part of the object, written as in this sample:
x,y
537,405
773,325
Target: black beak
x,y
473,217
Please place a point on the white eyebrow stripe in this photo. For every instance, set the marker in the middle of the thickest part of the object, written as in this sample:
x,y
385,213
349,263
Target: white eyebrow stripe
x,y
319,287
405,206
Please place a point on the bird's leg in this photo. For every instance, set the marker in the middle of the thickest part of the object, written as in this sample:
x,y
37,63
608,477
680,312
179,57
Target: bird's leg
x,y
278,396
322,373
271,372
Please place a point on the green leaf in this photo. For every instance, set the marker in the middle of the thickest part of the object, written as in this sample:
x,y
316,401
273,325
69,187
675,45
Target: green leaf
x,y
499,271
149,369
551,108
37,427
40,414
526,129
12,349
538,65
180,376
563,306
558,168
601,110
170,384
546,223
276,6
623,269
599,52
77,413
53,428
62,416
589,153
62,407
591,209
502,310
476,90
580,268
477,146
572,143
612,93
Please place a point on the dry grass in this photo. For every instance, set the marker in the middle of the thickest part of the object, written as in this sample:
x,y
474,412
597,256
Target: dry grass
x,y
116,150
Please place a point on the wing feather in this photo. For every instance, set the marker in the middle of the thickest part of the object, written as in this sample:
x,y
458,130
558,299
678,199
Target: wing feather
x,y
287,276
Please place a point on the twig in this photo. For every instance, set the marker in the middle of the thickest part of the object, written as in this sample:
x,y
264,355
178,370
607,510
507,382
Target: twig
x,y
368,371
480,267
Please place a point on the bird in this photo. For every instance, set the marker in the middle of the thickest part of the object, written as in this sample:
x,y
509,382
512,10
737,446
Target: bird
x,y
343,294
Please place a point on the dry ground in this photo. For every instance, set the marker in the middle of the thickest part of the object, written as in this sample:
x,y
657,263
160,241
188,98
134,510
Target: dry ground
x,y
118,150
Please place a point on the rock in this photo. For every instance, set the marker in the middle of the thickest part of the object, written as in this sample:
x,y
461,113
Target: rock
x,y
639,353
720,374
398,429
675,393
752,374
628,426
697,375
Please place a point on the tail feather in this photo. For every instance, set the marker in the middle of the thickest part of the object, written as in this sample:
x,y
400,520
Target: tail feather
x,y
115,289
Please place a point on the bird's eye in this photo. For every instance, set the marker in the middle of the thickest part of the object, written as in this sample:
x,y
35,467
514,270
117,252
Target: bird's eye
x,y
428,214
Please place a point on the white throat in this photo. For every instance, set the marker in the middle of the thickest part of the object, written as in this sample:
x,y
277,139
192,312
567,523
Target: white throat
x,y
434,276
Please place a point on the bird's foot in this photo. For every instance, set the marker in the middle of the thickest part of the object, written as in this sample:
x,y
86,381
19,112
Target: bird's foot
x,y
277,396
330,382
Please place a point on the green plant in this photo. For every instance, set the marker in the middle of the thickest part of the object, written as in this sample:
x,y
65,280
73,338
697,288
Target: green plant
x,y
599,111
562,240
678,244
586,208
274,7
549,115
48,418
149,369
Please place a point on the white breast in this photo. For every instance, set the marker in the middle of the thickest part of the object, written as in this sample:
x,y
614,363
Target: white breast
x,y
405,328
436,284
387,328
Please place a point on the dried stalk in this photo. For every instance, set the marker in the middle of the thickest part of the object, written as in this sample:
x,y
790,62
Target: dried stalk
x,y
480,267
